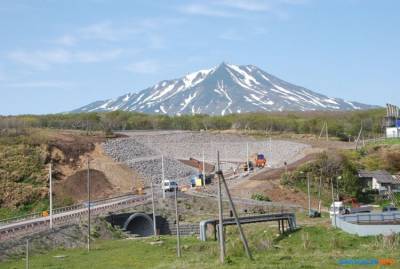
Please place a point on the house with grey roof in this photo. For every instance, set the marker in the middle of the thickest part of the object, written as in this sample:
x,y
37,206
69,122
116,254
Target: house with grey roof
x,y
379,180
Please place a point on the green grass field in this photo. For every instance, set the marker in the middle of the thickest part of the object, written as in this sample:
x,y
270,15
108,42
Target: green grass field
x,y
309,247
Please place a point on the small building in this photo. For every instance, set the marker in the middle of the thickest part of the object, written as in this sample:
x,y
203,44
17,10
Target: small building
x,y
379,180
392,121
392,132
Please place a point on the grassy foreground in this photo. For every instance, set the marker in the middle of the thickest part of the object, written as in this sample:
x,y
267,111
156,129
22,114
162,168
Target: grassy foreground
x,y
309,247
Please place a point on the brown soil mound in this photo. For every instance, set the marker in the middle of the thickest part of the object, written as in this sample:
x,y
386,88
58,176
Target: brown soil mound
x,y
75,186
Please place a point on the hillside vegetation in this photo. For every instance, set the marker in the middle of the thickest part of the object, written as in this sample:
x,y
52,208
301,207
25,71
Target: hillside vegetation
x,y
25,154
341,167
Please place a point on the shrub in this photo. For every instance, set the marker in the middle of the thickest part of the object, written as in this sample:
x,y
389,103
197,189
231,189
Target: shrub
x,y
260,197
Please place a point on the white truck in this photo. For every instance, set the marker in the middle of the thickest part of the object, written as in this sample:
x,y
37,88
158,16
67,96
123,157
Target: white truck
x,y
169,185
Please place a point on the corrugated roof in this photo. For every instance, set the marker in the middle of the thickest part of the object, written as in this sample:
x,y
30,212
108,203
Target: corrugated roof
x,y
381,176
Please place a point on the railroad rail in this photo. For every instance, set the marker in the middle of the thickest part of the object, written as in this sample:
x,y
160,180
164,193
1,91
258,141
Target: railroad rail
x,y
34,225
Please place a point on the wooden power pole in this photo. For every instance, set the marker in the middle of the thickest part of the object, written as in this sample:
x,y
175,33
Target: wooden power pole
x,y
242,235
51,194
154,209
220,217
88,193
178,234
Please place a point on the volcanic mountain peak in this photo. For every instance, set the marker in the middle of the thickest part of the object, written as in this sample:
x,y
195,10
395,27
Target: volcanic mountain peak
x,y
224,89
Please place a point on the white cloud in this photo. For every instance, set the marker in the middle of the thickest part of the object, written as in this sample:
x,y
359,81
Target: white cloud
x,y
96,56
205,10
43,59
235,8
144,67
38,84
231,35
248,5
2,75
108,31
102,30
66,40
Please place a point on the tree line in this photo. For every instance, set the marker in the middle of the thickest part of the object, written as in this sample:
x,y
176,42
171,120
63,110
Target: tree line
x,y
344,125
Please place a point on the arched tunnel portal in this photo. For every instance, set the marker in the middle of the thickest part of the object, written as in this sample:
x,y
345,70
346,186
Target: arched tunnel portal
x,y
140,224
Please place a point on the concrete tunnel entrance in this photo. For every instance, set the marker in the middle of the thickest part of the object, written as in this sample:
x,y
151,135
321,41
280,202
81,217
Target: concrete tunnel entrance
x,y
140,224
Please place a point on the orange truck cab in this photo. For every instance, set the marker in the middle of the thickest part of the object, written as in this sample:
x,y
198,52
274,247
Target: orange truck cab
x,y
260,160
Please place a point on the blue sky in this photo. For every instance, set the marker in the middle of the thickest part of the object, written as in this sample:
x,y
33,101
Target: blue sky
x,y
57,55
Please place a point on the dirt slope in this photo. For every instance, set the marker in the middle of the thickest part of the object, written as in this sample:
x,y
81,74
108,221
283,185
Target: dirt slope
x,y
268,183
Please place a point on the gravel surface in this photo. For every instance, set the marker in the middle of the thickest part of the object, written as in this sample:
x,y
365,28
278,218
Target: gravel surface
x,y
233,148
146,161
142,151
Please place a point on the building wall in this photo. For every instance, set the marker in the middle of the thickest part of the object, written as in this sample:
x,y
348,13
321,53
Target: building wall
x,y
375,184
392,132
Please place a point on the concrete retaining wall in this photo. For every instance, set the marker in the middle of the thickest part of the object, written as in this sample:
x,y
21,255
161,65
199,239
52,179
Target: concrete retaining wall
x,y
367,224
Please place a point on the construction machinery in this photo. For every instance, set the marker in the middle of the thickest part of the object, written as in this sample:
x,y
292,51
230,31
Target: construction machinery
x,y
260,160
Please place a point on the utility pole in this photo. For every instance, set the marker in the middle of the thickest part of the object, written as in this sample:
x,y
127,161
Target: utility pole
x,y
221,220
178,234
319,194
333,202
88,193
204,169
242,236
322,131
327,134
162,176
247,156
359,135
51,194
337,188
154,209
27,254
270,148
308,193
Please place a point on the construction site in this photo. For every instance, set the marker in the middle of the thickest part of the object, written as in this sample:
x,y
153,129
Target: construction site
x,y
235,194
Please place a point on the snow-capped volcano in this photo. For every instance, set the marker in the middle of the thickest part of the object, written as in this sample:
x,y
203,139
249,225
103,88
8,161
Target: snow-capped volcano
x,y
222,90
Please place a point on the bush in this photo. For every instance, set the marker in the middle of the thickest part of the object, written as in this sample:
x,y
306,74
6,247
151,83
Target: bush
x,y
260,197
